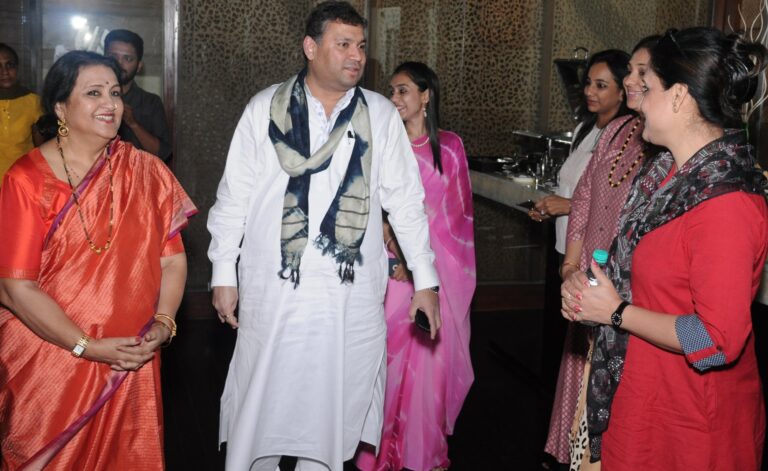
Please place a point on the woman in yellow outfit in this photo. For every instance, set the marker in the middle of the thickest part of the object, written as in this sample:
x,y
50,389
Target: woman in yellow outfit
x,y
19,109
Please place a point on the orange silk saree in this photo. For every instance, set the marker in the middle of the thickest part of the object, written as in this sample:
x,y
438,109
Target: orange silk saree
x,y
72,413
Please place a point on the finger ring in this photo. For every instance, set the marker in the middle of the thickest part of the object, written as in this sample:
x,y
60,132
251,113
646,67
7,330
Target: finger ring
x,y
542,212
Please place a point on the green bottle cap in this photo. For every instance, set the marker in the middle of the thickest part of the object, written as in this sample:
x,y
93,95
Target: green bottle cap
x,y
600,256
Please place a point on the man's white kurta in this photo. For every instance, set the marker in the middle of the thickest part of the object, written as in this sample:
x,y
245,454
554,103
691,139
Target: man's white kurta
x,y
307,375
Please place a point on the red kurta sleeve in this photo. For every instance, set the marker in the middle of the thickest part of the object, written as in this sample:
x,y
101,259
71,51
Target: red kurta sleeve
x,y
22,227
726,245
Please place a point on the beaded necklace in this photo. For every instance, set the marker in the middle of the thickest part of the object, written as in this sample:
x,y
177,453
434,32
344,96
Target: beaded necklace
x,y
91,244
422,144
618,157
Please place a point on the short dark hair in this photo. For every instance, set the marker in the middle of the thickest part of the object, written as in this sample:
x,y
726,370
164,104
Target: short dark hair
x,y
125,36
721,71
11,51
331,11
63,74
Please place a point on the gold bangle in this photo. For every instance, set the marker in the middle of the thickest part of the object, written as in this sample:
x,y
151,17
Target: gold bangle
x,y
80,346
159,318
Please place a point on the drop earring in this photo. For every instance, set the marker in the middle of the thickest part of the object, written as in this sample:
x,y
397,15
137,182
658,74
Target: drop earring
x,y
63,130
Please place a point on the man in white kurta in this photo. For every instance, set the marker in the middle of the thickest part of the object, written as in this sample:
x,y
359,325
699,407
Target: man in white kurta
x,y
307,375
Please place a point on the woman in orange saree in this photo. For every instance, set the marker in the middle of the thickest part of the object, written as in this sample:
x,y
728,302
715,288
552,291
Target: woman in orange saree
x,y
92,271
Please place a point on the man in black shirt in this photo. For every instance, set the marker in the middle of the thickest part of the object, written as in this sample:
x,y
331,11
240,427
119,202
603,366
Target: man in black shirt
x,y
144,122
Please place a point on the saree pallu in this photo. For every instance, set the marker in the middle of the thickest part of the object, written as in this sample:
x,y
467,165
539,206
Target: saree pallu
x,y
43,388
427,381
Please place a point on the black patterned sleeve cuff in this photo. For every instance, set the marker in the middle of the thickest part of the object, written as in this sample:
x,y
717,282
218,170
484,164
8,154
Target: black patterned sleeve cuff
x,y
697,345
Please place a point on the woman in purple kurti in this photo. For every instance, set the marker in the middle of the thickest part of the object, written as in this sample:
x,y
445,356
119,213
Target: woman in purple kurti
x,y
428,380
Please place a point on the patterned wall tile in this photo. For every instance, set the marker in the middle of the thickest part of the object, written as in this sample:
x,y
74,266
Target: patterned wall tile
x,y
486,52
615,24
228,51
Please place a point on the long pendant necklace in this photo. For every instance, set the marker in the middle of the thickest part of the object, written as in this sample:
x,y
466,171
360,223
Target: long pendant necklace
x,y
618,157
91,244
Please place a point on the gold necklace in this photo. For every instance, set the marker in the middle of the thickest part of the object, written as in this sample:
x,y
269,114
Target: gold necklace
x,y
618,157
91,244
426,141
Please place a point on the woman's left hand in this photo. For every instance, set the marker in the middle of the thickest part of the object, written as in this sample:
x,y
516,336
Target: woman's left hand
x,y
157,335
582,302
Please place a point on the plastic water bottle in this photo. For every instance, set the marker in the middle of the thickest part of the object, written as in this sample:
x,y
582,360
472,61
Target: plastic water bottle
x,y
600,257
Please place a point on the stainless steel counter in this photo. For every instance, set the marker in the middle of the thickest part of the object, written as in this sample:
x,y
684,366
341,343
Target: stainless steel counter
x,y
503,190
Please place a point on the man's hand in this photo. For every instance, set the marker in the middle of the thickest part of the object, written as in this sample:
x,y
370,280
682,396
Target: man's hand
x,y
225,302
427,301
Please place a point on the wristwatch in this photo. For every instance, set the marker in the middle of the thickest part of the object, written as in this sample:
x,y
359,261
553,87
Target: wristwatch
x,y
616,316
80,346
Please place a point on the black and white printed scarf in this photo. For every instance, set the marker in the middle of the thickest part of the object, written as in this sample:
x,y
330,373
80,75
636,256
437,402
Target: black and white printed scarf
x,y
343,227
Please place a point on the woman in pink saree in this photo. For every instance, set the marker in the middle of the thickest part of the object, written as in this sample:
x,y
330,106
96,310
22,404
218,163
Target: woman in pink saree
x,y
427,381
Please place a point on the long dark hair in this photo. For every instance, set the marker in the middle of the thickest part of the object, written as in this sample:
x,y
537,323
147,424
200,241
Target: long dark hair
x,y
721,72
426,79
618,62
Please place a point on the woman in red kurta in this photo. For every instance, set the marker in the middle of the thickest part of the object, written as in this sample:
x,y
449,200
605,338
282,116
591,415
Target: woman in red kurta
x,y
674,382
92,270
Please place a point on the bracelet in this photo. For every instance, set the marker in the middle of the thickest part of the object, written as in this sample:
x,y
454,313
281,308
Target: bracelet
x,y
386,243
159,317
80,346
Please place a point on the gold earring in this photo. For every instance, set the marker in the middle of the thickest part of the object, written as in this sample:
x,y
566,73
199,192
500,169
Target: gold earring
x,y
63,130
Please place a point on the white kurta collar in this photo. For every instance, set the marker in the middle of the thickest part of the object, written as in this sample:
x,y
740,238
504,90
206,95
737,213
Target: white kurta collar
x,y
324,125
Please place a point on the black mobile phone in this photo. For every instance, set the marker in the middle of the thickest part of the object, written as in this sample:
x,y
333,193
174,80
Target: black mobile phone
x,y
527,204
421,320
